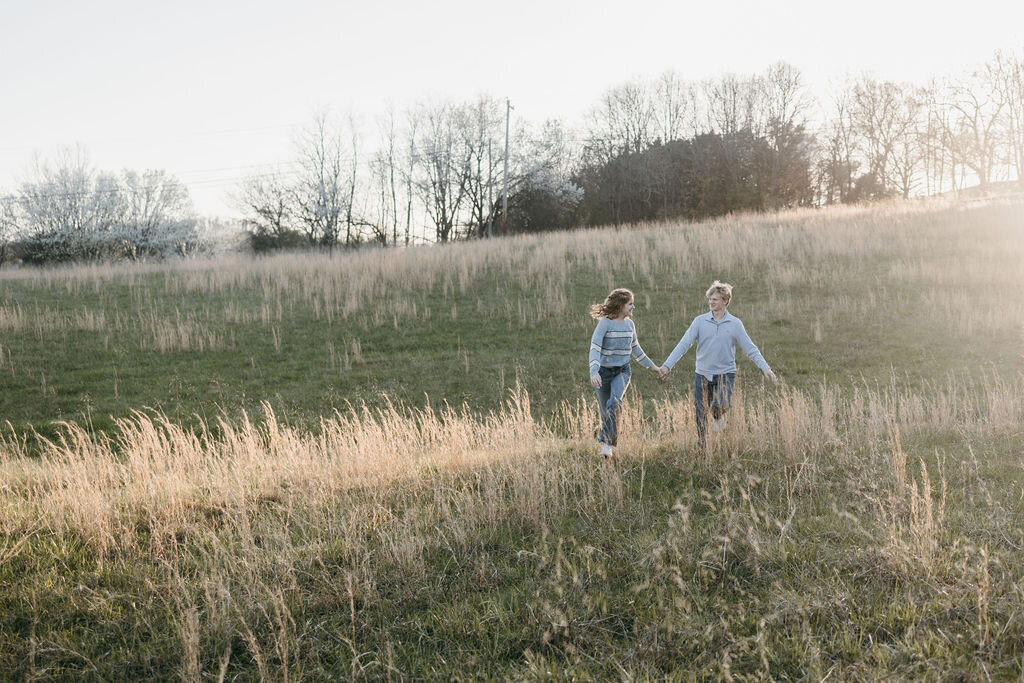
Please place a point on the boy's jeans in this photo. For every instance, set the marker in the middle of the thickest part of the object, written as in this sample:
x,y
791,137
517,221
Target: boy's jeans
x,y
715,394
614,382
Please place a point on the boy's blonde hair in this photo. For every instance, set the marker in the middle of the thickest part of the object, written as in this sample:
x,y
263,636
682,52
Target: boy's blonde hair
x,y
612,305
723,289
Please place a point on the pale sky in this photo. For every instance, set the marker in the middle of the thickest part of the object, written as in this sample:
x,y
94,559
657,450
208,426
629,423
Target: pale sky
x,y
212,90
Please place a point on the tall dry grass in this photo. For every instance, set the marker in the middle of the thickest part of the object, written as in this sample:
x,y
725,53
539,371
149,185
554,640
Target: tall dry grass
x,y
152,481
240,516
932,247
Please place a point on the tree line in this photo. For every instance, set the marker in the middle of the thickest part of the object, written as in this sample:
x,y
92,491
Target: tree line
x,y
649,149
440,163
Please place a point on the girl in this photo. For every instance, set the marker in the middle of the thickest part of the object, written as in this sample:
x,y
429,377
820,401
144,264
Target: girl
x,y
613,342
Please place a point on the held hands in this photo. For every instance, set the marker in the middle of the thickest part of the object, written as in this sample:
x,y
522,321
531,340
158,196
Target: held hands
x,y
663,372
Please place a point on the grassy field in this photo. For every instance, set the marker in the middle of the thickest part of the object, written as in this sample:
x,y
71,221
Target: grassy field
x,y
381,464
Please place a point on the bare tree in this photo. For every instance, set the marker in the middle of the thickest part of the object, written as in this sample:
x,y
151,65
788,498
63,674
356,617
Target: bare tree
x,y
732,104
351,219
674,108
839,163
384,173
885,115
873,112
409,170
267,203
933,152
321,195
484,123
784,102
444,164
675,104
971,131
1005,73
622,122
781,108
909,154
621,127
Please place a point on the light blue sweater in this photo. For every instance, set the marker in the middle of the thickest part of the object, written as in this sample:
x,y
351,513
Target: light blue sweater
x,y
716,345
612,344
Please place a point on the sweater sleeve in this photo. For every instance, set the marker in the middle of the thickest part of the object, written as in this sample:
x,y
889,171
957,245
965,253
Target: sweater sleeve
x,y
638,352
596,341
684,344
747,344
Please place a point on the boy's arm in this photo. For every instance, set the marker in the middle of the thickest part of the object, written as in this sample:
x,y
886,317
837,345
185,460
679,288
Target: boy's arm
x,y
749,348
683,346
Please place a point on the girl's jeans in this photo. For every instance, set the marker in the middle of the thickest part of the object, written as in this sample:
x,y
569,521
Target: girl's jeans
x,y
614,382
715,394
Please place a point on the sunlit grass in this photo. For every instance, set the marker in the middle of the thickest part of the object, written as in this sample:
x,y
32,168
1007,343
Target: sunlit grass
x,y
274,550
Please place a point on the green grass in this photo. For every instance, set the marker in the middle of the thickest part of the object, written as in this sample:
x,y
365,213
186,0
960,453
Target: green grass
x,y
79,375
761,559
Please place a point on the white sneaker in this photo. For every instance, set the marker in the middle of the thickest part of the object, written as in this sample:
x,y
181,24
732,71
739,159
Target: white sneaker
x,y
719,424
606,450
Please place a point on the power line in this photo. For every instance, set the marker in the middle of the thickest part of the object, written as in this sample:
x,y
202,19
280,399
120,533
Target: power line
x,y
110,191
187,135
239,168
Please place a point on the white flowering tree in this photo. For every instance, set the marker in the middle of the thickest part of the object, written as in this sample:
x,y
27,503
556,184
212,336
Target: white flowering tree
x,y
69,211
156,214
8,227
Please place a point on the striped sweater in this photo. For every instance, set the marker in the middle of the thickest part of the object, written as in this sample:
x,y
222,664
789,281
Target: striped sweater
x,y
614,341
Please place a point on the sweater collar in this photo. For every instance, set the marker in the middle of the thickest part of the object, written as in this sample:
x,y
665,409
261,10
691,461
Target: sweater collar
x,y
710,317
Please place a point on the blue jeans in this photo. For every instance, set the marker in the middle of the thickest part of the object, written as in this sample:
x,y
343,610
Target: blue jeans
x,y
715,394
614,382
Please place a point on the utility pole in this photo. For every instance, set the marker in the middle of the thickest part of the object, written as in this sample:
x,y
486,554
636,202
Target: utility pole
x,y
408,210
504,201
490,191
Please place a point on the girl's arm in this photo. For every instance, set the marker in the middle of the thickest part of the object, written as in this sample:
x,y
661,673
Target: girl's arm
x,y
638,352
596,341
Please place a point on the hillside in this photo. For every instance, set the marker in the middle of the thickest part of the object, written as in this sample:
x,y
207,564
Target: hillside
x,y
381,464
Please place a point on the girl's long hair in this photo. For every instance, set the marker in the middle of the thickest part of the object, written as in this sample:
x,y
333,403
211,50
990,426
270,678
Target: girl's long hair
x,y
612,305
